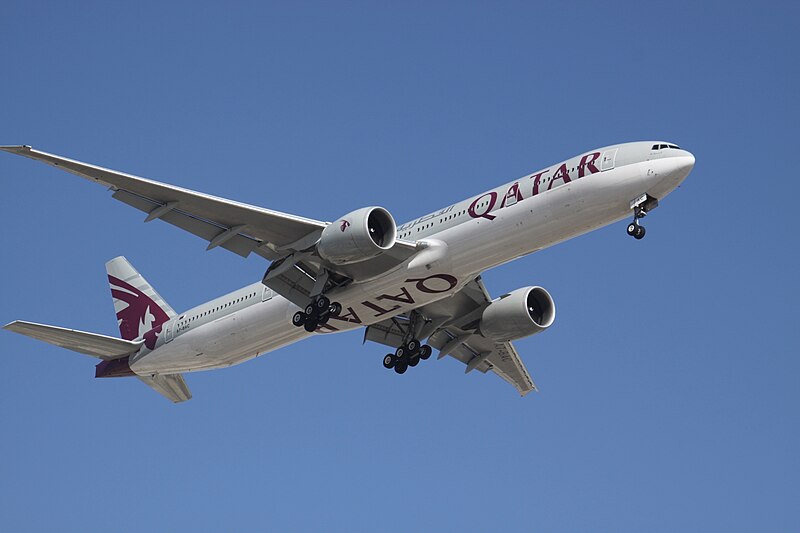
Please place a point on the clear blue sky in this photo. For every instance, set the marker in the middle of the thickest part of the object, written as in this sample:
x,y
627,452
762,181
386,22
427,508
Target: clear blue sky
x,y
669,383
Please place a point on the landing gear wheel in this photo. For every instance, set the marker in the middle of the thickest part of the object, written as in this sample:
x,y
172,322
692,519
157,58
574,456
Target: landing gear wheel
x,y
388,361
310,309
400,367
335,308
299,318
643,204
323,319
412,346
400,352
425,352
322,303
413,360
310,325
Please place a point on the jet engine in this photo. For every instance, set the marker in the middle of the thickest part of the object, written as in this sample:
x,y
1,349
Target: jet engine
x,y
518,314
358,236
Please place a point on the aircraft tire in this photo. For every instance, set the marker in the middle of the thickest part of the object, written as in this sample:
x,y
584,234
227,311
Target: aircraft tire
x,y
322,303
425,351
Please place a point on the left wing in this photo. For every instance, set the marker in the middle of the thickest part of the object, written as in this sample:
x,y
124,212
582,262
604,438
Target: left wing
x,y
450,325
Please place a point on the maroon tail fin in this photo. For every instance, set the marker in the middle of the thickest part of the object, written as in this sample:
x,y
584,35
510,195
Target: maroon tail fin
x,y
141,311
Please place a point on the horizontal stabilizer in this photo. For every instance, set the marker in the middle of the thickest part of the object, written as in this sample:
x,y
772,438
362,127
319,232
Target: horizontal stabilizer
x,y
171,386
102,346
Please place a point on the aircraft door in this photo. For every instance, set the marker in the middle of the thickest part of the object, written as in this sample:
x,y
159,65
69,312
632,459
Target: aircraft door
x,y
170,331
608,159
266,295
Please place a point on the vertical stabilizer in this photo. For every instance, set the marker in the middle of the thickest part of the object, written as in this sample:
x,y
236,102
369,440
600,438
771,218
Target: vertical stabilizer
x,y
140,309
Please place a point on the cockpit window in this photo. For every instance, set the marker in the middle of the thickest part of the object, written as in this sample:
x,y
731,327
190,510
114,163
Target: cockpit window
x,y
663,146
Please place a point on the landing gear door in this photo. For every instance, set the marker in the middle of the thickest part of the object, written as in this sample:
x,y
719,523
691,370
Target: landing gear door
x,y
267,294
607,159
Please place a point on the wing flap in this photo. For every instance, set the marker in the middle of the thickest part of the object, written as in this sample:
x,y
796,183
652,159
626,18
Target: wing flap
x,y
388,333
483,355
93,344
264,225
507,364
295,284
240,244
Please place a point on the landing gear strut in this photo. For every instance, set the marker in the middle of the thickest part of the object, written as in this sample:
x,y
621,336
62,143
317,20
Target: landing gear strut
x,y
316,313
641,206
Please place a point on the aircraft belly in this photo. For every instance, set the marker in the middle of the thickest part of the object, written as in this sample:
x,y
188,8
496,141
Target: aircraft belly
x,y
230,340
469,248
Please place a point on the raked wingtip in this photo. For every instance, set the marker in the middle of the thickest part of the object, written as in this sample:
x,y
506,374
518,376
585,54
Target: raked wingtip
x,y
16,149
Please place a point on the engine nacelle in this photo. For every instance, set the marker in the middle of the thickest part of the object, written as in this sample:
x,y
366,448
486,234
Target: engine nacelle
x,y
518,314
358,236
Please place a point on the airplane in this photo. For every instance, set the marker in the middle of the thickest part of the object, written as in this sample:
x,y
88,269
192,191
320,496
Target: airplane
x,y
404,284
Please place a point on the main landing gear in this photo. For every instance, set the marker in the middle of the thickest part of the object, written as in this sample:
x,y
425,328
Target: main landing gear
x,y
406,355
316,313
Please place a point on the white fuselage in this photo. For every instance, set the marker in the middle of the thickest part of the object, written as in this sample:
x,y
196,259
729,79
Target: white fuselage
x,y
534,212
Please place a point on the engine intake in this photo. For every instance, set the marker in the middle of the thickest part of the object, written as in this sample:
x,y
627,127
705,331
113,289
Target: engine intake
x,y
358,236
518,314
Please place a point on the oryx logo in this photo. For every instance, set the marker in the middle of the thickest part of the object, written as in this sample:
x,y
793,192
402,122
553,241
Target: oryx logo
x,y
345,225
141,318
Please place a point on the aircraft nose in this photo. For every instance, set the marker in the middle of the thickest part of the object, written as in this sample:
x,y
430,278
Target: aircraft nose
x,y
680,165
687,162
669,172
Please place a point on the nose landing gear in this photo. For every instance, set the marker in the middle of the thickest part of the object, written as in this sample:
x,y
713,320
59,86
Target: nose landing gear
x,y
316,313
641,206
635,230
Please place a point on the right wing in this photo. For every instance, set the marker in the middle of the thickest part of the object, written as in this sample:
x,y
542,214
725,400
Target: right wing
x,y
450,325
288,241
237,227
